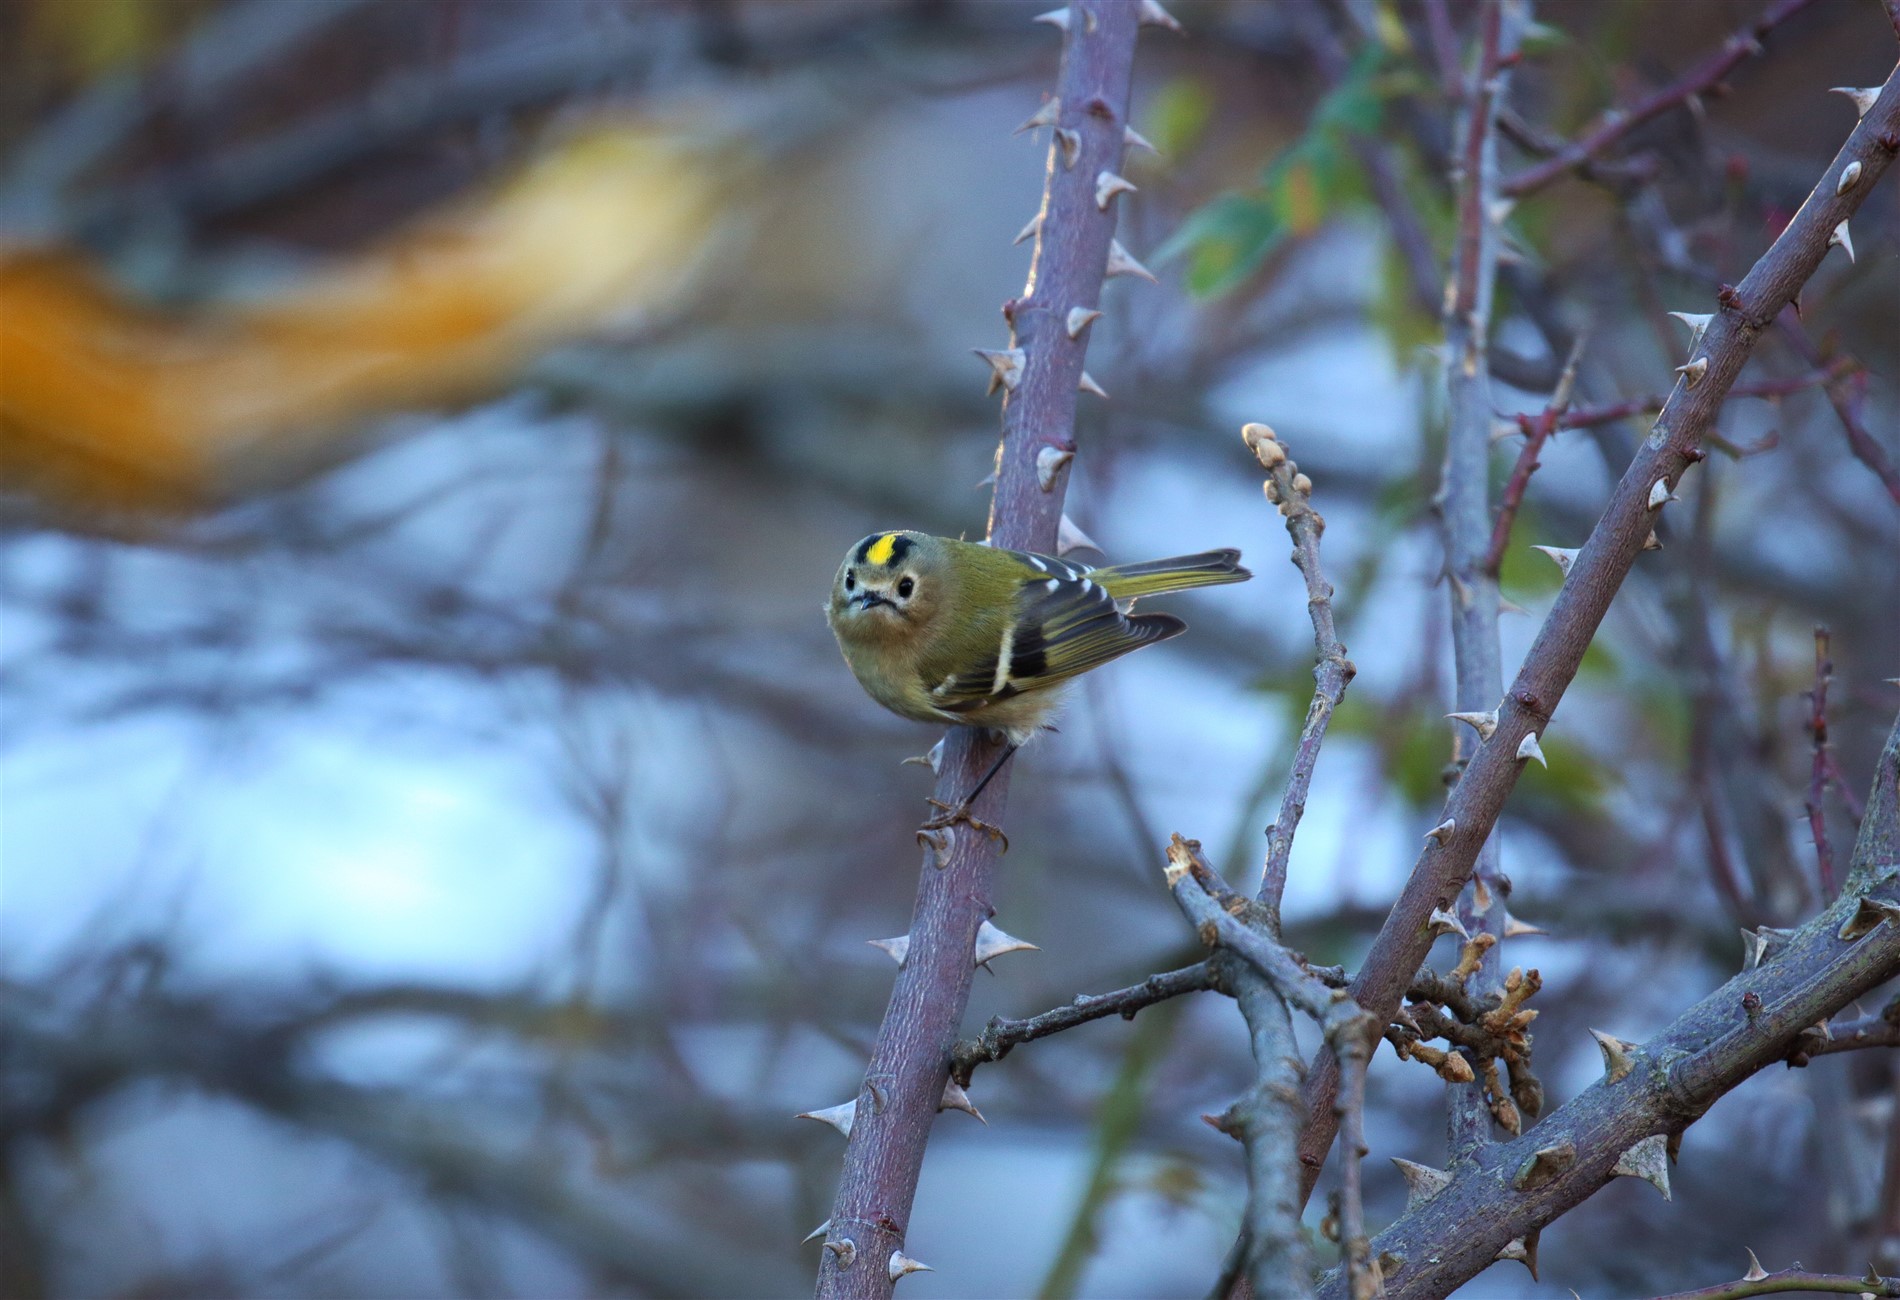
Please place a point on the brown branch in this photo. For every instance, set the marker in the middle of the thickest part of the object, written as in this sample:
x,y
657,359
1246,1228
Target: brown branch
x,y
1882,1030
1615,124
911,1059
1585,417
1536,433
1594,578
1791,1279
1290,491
1001,1035
1846,407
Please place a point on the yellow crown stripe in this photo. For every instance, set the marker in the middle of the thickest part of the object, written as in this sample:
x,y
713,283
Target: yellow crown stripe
x,y
880,552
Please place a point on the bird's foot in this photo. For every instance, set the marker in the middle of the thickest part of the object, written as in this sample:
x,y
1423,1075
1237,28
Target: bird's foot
x,y
950,814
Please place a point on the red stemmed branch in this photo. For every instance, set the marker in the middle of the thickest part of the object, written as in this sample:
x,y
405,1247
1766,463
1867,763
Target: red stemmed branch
x,y
904,1085
1585,417
1847,405
1537,431
1618,123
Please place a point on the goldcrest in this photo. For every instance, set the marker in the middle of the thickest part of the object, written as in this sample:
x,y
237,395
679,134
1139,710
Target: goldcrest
x,y
940,631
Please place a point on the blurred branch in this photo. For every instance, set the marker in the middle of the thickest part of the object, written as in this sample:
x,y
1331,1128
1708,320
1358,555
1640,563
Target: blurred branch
x,y
1845,370
134,1031
1464,499
1817,780
1583,417
1618,123
230,44
910,1062
1595,576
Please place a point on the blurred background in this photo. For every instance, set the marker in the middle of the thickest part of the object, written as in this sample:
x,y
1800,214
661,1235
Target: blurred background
x,y
439,835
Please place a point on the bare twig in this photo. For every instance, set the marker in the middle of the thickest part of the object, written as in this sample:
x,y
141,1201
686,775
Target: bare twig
x,y
1594,578
1853,1035
1584,417
1289,491
1001,1035
1536,431
911,1060
1846,405
1616,124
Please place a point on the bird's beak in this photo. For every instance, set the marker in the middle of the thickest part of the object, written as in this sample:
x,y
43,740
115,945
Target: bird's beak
x,y
866,599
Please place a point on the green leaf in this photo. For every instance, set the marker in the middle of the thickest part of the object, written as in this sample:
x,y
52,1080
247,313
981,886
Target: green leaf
x,y
1228,238
1178,116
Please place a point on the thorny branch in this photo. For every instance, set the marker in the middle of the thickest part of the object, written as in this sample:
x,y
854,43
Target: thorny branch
x,y
1040,373
1267,977
1289,491
1758,1281
1597,573
1621,1126
1615,124
1852,1035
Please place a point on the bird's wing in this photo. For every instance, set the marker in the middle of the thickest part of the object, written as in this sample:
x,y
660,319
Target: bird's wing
x,y
1064,625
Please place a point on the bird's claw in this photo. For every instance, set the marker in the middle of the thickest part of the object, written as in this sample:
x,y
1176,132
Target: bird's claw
x,y
951,814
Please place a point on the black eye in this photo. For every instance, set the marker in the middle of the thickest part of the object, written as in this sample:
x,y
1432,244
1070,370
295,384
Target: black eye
x,y
904,587
850,580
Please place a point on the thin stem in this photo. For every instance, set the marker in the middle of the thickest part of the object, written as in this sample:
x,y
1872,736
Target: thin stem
x,y
1001,1036
1846,406
1290,491
1536,433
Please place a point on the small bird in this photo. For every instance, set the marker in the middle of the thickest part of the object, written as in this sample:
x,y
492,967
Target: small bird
x,y
938,630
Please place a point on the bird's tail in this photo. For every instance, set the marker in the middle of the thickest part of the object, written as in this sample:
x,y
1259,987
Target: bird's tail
x,y
1208,569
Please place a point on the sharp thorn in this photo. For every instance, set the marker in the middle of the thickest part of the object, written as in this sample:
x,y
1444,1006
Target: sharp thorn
x,y
898,948
1047,115
1108,185
839,1116
1153,15
992,942
1120,263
